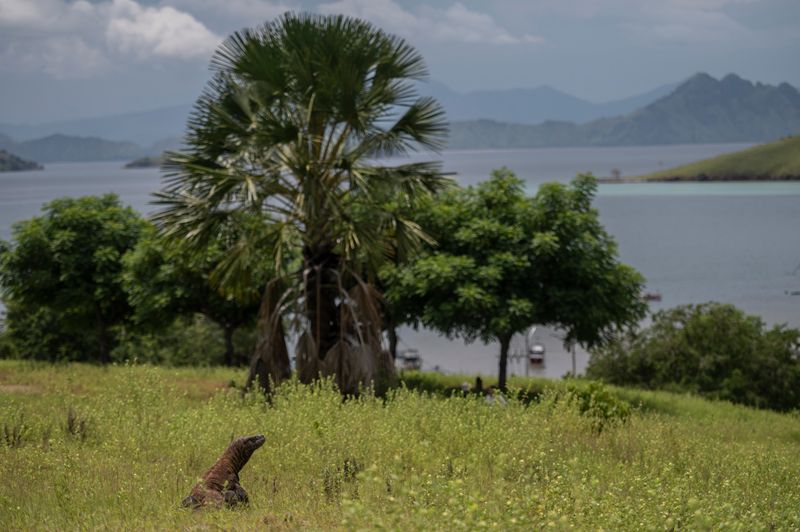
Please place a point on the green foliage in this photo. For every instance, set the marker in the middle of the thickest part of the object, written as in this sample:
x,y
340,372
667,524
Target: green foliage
x,y
504,262
592,399
39,333
407,462
188,340
597,402
164,281
286,132
475,282
712,349
61,278
291,130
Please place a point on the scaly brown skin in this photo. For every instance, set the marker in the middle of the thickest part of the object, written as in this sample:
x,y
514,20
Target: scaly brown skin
x,y
220,485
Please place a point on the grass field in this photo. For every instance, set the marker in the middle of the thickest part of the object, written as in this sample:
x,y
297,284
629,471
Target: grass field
x,y
777,160
88,447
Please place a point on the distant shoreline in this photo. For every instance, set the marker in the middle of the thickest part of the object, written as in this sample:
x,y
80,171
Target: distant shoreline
x,y
698,179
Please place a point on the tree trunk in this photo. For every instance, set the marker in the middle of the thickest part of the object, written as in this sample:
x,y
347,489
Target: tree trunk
x,y
103,339
270,362
321,291
229,351
505,342
391,332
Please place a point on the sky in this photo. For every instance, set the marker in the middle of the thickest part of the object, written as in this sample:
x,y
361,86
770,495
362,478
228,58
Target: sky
x,y
66,59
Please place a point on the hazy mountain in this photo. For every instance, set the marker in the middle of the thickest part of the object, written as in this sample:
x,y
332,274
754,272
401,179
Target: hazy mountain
x,y
520,105
532,106
143,128
63,148
11,163
702,109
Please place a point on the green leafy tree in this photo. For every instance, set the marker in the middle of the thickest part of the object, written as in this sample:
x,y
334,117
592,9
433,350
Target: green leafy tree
x,y
288,130
164,281
505,262
712,349
61,277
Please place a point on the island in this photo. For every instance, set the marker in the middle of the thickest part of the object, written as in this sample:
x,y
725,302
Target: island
x,y
774,161
146,162
11,163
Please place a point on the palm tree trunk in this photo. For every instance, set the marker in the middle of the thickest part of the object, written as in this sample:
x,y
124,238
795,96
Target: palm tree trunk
x,y
270,362
321,289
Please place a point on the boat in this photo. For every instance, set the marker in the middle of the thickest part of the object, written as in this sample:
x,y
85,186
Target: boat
x,y
534,349
651,296
409,360
536,354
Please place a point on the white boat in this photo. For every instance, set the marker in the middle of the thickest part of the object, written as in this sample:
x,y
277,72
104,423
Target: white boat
x,y
536,354
534,349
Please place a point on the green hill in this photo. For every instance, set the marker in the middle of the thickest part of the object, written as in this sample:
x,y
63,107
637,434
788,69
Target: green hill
x,y
779,160
11,163
153,161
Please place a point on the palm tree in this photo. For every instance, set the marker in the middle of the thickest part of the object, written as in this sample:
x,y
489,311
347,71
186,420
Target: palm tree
x,y
292,129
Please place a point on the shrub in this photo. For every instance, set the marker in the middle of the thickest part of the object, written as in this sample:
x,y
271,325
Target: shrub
x,y
188,341
712,349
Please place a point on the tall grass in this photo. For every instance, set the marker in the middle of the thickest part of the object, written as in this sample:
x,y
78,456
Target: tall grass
x,y
118,447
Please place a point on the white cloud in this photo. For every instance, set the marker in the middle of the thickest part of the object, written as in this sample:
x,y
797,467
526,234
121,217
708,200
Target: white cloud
x,y
19,12
684,22
45,14
248,12
66,39
457,23
162,31
58,57
679,21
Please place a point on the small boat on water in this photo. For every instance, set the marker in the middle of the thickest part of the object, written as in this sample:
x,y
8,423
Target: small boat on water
x,y
536,354
534,349
651,296
409,360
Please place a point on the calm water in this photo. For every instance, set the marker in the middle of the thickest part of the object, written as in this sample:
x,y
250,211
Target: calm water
x,y
731,242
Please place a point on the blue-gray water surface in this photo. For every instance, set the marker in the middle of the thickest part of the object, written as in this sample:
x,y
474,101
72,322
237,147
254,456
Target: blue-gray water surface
x,y
694,242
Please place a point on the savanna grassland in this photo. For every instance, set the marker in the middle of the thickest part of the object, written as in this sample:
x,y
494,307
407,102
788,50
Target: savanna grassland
x,y
118,447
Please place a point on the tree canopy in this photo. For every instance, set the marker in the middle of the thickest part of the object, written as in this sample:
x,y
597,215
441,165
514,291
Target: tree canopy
x,y
504,262
61,276
288,130
712,349
163,281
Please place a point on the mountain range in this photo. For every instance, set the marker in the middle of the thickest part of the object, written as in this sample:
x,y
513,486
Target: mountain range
x,y
529,106
532,106
66,148
701,109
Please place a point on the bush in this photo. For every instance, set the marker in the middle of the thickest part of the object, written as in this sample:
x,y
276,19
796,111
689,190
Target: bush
x,y
189,341
598,403
39,333
712,349
60,278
